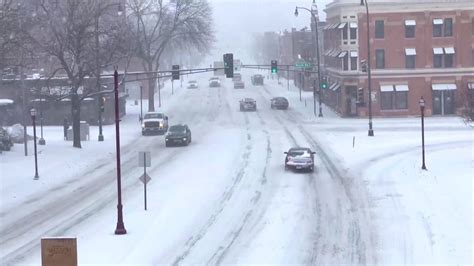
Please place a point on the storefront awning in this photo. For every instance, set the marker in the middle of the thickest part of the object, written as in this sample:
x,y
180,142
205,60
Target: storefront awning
x,y
449,50
470,85
401,88
410,51
386,88
354,54
342,25
438,50
334,87
353,25
342,54
442,87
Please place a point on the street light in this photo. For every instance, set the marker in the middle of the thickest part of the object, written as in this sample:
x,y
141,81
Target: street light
x,y
422,109
33,118
41,141
120,229
369,77
319,61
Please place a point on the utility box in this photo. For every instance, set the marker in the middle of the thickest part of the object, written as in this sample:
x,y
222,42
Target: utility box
x,y
84,129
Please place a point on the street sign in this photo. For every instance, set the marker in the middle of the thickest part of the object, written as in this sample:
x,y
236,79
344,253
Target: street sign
x,y
145,178
144,159
58,251
237,65
219,72
303,64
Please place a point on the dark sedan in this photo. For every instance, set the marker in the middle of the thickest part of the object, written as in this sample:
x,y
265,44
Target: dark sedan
x,y
248,104
178,135
279,103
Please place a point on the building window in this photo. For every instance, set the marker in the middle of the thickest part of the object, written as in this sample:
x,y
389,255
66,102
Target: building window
x,y
437,57
448,27
437,27
345,62
354,56
379,58
353,34
472,25
392,99
344,32
409,61
410,56
472,57
379,29
410,28
449,57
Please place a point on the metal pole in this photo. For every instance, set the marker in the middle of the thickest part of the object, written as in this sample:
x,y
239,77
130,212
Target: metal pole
x,y
120,229
97,65
172,87
319,70
302,83
41,141
423,136
36,154
22,81
141,103
159,91
288,79
144,176
369,77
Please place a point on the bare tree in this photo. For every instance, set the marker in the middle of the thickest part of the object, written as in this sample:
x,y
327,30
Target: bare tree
x,y
160,24
67,33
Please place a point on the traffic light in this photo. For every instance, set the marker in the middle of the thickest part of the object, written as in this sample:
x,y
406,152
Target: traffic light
x,y
102,103
363,65
175,72
274,66
324,83
229,65
360,96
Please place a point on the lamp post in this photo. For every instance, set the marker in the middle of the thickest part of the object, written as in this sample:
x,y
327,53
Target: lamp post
x,y
141,103
422,109
369,77
33,118
41,141
319,61
120,229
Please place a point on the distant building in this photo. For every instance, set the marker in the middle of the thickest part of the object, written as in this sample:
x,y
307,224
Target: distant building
x,y
422,48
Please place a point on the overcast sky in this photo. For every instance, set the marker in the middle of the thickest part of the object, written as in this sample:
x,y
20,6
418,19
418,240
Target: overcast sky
x,y
236,20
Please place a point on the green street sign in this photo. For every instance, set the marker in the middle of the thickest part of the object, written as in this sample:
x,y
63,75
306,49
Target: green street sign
x,y
303,65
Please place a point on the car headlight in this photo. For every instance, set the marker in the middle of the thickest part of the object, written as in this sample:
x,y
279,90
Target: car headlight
x,y
184,138
161,124
143,125
166,139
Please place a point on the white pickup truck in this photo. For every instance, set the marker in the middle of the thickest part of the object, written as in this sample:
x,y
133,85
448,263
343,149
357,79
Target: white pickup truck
x,y
154,123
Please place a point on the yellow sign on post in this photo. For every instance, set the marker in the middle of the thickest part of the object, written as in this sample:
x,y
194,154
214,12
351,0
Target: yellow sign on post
x,y
58,251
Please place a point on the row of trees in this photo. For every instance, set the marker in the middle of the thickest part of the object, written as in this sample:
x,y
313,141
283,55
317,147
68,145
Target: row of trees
x,y
83,38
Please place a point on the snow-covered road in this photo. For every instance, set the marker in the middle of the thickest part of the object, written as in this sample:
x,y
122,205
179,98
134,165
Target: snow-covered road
x,y
225,199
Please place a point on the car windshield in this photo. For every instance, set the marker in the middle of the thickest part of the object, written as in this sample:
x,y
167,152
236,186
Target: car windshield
x,y
299,152
193,82
154,116
177,129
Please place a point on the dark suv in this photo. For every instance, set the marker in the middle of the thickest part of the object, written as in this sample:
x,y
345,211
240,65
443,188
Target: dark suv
x,y
178,135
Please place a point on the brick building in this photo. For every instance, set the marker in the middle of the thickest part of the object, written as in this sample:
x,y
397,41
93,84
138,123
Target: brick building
x,y
418,49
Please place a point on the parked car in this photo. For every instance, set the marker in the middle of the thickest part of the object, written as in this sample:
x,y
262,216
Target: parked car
x,y
279,103
299,159
192,84
154,123
248,104
5,140
239,85
257,79
178,134
214,82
